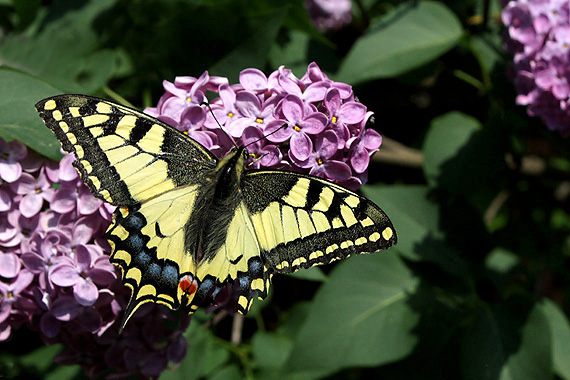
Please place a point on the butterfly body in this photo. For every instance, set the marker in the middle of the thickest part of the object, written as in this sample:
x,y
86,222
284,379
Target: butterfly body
x,y
189,224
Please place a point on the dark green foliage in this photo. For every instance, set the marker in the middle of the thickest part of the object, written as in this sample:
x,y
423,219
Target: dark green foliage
x,y
478,285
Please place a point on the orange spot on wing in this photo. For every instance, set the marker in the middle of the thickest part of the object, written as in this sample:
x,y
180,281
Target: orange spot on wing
x,y
188,285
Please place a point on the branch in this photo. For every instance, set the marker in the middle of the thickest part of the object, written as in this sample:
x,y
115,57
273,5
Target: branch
x,y
237,327
395,153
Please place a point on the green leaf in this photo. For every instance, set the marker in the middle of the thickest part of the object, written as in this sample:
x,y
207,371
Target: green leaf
x,y
487,49
360,317
446,136
501,265
65,49
482,354
413,215
42,358
270,350
296,49
63,372
230,372
292,53
560,331
294,318
204,356
501,260
532,359
410,36
26,11
311,274
417,221
253,51
37,363
459,155
18,117
510,342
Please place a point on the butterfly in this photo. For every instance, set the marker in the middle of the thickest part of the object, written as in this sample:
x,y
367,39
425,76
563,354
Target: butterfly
x,y
188,224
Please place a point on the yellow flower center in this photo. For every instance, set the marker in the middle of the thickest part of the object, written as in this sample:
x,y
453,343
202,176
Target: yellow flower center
x,y
230,114
259,121
334,119
319,161
297,128
188,99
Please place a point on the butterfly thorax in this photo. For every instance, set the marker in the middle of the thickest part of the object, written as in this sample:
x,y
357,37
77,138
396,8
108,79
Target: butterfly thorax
x,y
227,196
228,173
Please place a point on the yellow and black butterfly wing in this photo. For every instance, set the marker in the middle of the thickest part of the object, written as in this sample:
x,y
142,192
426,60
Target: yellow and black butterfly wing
x,y
151,245
301,221
286,221
237,262
153,172
123,155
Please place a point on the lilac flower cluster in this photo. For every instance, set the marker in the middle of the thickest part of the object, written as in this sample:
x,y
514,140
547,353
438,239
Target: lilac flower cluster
x,y
329,14
539,37
310,125
55,277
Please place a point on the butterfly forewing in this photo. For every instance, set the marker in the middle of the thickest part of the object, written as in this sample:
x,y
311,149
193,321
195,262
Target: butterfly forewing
x,y
124,156
305,221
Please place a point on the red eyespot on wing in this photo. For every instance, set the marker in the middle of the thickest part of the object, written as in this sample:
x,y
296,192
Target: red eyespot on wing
x,y
188,285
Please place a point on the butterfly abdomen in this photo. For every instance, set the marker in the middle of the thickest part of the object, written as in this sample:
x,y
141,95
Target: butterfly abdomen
x,y
227,196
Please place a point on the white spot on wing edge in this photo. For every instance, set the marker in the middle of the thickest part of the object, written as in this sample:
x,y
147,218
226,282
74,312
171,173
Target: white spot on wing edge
x,y
387,233
104,107
50,105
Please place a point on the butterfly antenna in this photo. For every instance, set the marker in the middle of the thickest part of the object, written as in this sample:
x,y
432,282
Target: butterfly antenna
x,y
219,125
265,136
260,157
261,138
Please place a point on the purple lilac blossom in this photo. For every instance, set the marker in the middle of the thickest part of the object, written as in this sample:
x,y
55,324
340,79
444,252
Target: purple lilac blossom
x,y
329,14
10,155
539,37
56,278
286,122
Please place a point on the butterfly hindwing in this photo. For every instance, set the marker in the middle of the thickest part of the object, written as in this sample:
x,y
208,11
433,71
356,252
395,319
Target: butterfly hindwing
x,y
149,243
305,221
237,261
123,155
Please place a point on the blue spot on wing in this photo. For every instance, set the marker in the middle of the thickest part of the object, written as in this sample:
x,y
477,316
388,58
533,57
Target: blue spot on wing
x,y
134,243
